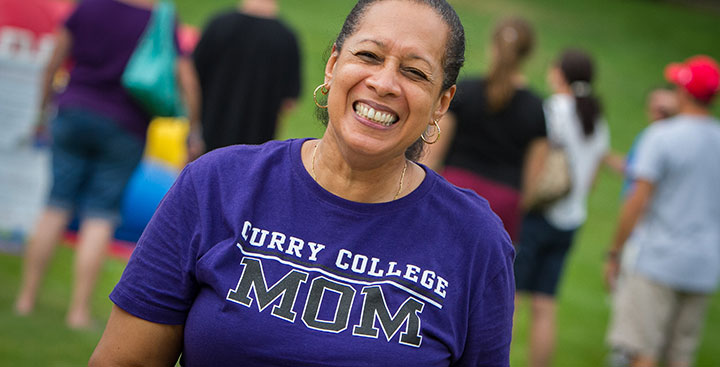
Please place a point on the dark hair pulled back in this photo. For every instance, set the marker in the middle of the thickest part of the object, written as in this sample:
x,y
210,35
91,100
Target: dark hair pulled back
x,y
577,68
453,58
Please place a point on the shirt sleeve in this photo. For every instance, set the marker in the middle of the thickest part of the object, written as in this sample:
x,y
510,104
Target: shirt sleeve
x,y
553,119
491,318
648,162
604,130
159,283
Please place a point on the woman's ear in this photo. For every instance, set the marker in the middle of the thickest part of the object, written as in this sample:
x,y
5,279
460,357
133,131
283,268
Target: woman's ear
x,y
444,102
330,66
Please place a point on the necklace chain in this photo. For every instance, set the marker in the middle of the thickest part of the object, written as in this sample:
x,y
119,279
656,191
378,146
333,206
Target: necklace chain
x,y
402,175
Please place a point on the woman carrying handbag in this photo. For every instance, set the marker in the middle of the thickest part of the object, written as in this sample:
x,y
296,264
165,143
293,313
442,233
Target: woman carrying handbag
x,y
575,123
98,137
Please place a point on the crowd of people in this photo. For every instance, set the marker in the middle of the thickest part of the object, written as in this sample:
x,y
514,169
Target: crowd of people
x,y
405,234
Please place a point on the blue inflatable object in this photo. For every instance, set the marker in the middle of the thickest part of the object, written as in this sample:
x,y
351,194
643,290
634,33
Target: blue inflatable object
x,y
148,185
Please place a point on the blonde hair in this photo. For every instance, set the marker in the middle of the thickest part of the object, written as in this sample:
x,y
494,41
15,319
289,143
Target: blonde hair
x,y
513,39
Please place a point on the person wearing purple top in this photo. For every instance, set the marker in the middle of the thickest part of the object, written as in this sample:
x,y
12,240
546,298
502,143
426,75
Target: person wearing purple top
x,y
340,251
97,141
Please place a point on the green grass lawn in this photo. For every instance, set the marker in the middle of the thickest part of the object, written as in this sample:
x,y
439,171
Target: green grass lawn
x,y
632,40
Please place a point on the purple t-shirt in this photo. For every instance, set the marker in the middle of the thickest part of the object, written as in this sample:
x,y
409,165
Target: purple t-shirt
x,y
104,36
266,268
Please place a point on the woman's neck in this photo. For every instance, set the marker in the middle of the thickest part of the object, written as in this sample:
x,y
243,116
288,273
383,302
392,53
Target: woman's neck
x,y
564,89
518,80
144,4
357,179
260,8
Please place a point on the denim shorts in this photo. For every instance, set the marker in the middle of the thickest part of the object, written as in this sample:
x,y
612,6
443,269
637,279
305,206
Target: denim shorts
x,y
93,158
541,252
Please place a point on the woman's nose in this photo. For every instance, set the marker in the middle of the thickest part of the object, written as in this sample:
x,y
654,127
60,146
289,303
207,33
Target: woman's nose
x,y
384,81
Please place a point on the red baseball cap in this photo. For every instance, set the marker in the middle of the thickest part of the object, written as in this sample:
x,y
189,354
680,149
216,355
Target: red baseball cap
x,y
699,75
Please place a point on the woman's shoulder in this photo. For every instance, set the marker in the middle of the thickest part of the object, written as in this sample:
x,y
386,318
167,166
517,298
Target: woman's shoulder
x,y
242,157
114,5
559,108
111,12
467,212
526,103
442,188
559,100
478,233
530,96
469,92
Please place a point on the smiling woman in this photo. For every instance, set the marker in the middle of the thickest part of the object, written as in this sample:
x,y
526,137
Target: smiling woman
x,y
391,64
326,231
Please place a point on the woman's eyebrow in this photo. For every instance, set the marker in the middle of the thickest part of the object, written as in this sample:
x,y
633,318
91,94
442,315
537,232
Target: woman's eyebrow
x,y
371,40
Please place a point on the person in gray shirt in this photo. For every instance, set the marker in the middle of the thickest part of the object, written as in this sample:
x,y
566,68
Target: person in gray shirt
x,y
669,229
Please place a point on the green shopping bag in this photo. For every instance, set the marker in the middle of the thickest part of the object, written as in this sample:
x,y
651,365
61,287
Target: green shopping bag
x,y
149,75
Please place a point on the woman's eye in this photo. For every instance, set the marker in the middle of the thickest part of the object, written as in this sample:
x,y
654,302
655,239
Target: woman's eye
x,y
365,55
416,73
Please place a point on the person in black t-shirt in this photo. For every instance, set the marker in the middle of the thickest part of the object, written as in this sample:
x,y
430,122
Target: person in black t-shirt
x,y
494,135
248,63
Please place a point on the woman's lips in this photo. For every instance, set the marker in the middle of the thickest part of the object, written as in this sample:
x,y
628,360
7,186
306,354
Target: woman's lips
x,y
379,117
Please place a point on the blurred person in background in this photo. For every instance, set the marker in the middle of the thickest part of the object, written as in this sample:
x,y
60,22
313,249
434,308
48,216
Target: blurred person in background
x,y
318,252
662,104
668,236
575,123
494,135
98,137
248,62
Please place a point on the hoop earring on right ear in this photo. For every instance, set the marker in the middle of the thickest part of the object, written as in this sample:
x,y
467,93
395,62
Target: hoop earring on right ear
x,y
437,136
324,90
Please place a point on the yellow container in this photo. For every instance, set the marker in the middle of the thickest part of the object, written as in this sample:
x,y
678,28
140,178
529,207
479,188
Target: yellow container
x,y
166,141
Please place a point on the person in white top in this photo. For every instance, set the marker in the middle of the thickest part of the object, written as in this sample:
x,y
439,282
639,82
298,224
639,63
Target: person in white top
x,y
668,232
574,123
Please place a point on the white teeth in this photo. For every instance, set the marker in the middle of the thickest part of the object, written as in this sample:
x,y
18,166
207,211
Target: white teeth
x,y
382,118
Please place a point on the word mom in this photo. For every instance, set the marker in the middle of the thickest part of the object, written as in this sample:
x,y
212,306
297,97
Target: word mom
x,y
374,306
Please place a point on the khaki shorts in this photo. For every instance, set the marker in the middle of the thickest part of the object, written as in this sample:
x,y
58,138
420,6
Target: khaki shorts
x,y
656,321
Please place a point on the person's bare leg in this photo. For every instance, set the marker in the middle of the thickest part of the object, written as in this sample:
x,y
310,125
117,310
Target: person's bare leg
x,y
47,232
94,238
521,299
542,330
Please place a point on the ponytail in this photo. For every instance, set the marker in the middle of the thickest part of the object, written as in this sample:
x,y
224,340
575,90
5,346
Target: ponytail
x,y
577,68
513,40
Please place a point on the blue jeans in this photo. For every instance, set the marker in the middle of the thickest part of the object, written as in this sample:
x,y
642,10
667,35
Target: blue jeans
x,y
93,158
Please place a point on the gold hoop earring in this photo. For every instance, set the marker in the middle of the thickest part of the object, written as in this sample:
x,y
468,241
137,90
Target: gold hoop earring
x,y
324,90
437,136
